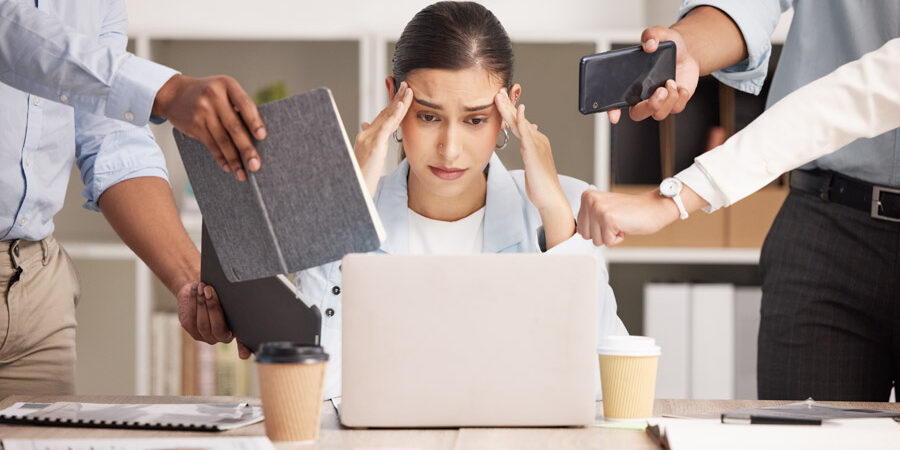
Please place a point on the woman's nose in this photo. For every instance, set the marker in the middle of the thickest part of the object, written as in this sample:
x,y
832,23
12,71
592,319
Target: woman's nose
x,y
448,146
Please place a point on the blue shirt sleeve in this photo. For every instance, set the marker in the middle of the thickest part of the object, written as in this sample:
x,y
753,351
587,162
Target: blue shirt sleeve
x,y
110,151
41,56
757,20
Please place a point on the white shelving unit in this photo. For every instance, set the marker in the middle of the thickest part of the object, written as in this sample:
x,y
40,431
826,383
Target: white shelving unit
x,y
670,255
109,324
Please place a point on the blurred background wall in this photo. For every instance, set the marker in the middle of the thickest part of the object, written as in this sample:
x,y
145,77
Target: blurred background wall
x,y
296,45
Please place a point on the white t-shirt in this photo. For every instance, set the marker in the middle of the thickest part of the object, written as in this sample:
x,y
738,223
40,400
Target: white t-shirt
x,y
429,236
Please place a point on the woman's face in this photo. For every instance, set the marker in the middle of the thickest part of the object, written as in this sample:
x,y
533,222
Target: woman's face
x,y
451,129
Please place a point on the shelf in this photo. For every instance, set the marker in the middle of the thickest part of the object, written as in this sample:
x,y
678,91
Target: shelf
x,y
669,255
115,283
99,250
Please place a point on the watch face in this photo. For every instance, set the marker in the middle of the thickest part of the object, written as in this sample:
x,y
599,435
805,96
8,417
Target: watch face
x,y
670,187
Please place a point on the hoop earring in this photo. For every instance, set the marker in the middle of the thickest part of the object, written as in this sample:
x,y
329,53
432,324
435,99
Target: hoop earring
x,y
505,139
398,139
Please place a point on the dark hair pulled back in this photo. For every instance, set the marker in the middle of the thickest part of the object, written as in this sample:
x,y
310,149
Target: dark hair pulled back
x,y
454,36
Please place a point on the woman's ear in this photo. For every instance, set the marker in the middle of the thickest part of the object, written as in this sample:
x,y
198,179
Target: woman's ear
x,y
389,84
514,93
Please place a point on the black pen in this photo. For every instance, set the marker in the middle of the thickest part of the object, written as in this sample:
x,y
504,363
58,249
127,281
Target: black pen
x,y
769,420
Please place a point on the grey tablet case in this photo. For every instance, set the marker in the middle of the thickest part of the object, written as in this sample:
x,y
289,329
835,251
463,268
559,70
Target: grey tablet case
x,y
262,310
306,206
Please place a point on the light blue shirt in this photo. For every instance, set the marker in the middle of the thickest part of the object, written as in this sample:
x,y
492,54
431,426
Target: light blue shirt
x,y
824,35
69,54
511,225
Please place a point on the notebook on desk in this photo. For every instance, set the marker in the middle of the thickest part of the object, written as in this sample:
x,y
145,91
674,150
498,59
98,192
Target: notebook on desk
x,y
126,443
186,416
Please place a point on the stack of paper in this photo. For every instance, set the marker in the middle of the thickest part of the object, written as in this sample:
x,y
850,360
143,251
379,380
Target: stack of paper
x,y
869,434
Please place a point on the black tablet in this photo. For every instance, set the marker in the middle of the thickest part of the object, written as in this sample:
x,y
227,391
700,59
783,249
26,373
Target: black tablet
x,y
261,310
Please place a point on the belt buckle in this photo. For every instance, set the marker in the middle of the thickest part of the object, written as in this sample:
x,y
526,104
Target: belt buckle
x,y
876,203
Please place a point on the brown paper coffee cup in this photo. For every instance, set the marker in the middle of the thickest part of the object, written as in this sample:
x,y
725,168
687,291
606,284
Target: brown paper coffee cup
x,y
628,376
291,389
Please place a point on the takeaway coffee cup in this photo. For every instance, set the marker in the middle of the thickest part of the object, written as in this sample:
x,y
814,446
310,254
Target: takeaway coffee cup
x,y
628,376
290,383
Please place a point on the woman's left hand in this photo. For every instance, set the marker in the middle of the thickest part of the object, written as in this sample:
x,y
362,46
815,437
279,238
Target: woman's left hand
x,y
541,179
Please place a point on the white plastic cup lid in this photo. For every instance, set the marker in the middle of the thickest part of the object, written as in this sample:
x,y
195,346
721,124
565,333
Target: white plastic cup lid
x,y
628,346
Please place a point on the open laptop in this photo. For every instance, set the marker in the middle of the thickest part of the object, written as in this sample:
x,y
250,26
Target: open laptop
x,y
469,340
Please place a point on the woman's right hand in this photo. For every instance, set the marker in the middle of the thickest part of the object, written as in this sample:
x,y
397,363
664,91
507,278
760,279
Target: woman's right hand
x,y
372,142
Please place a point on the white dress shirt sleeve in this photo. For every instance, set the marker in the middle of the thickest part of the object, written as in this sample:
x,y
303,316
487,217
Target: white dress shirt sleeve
x,y
109,151
756,20
860,99
42,56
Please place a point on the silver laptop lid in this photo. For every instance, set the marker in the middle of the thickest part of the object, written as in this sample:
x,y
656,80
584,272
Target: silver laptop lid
x,y
469,340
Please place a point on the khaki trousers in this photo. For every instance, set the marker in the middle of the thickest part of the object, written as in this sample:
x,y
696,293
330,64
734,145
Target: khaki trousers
x,y
38,292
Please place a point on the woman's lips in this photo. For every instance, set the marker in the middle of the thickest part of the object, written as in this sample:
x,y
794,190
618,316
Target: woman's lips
x,y
447,173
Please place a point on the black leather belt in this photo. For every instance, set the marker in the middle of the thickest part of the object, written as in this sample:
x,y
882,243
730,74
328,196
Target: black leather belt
x,y
881,202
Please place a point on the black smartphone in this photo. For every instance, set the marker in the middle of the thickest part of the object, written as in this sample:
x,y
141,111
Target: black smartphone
x,y
623,77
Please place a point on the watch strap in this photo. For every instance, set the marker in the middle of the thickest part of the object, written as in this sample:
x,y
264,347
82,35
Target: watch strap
x,y
681,209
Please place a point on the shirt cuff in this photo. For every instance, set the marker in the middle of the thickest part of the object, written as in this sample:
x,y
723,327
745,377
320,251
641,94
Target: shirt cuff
x,y
696,179
574,244
756,22
93,193
134,90
542,239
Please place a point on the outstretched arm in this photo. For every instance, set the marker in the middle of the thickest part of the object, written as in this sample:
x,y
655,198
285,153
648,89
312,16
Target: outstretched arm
x,y
41,55
860,99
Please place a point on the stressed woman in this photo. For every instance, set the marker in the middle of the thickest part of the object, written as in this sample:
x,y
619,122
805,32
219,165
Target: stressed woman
x,y
452,105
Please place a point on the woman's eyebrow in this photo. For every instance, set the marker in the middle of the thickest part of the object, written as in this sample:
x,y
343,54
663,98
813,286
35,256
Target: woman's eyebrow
x,y
478,108
428,104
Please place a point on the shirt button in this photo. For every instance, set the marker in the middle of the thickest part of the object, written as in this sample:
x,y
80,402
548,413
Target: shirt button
x,y
36,100
63,98
27,161
336,290
22,221
129,116
329,312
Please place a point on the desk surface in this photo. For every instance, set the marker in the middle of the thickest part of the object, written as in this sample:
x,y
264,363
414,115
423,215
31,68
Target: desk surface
x,y
333,436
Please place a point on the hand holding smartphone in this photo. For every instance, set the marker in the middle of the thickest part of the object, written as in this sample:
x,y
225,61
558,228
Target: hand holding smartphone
x,y
623,77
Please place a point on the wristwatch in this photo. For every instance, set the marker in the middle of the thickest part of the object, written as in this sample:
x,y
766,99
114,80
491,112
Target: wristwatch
x,y
671,187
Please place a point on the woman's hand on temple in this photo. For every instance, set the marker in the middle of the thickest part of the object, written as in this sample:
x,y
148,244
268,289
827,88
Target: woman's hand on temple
x,y
541,179
372,142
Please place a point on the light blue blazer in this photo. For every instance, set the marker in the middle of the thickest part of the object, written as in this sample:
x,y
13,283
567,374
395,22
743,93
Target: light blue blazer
x,y
511,225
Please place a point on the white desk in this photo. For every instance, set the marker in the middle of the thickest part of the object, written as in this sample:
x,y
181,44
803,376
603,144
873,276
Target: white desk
x,y
334,436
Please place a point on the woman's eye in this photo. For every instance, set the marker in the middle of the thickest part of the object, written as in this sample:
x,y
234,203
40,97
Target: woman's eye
x,y
477,120
427,117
